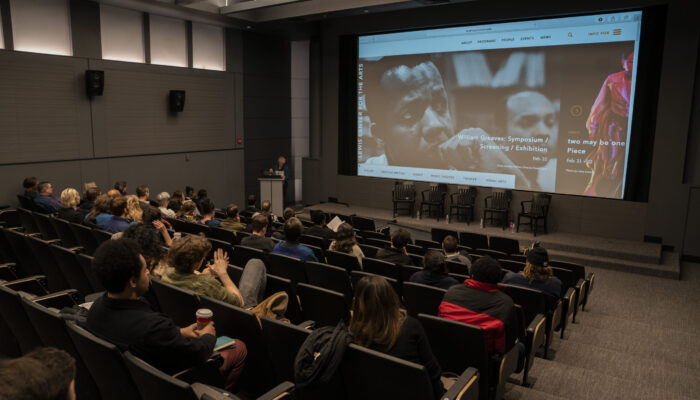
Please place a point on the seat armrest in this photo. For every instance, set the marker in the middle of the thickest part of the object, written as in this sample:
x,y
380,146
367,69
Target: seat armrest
x,y
466,387
589,279
35,285
569,301
535,336
308,324
581,287
8,271
54,241
203,391
281,391
207,373
58,300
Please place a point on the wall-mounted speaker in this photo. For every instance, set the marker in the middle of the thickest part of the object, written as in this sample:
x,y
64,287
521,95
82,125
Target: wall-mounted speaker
x,y
177,101
94,82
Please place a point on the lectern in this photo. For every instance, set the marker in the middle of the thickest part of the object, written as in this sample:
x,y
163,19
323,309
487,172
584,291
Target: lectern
x,y
271,189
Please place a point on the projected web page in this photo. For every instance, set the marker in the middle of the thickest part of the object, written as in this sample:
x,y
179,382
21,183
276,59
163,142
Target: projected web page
x,y
541,105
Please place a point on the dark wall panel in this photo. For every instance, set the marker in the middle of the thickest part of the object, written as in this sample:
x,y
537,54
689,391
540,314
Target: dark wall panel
x,y
133,116
44,111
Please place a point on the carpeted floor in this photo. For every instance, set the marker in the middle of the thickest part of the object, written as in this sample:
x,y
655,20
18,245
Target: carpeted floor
x,y
639,338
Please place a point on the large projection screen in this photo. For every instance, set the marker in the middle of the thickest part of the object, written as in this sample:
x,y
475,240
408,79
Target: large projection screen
x,y
541,105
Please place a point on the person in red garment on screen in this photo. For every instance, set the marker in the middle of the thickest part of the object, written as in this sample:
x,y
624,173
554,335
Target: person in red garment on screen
x,y
607,122
410,113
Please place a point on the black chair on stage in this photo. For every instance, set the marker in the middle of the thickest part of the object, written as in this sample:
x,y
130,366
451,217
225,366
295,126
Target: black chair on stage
x,y
474,240
462,204
404,194
497,206
434,198
535,210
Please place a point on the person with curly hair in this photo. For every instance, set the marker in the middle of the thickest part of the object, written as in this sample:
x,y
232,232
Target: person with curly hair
x,y
345,242
134,210
187,212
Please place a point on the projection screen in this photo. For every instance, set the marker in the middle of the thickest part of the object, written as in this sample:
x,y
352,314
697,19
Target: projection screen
x,y
541,105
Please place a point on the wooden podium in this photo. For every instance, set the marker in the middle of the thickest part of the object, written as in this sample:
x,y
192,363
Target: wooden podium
x,y
271,189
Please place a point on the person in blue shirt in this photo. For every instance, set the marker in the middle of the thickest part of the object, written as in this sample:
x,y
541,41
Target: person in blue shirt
x,y
537,275
45,201
208,212
290,246
118,222
282,169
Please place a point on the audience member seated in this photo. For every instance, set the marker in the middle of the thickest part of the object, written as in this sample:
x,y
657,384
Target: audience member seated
x,y
101,211
45,201
288,213
186,257
89,198
114,192
124,318
69,200
265,208
258,240
537,275
151,245
290,245
434,271
345,242
176,201
378,323
252,201
479,302
208,212
189,193
30,187
449,246
233,220
187,212
201,195
118,222
134,212
319,227
120,186
143,193
45,373
163,204
396,253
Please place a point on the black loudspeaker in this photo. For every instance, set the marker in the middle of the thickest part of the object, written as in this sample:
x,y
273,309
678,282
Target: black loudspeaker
x,y
177,101
94,82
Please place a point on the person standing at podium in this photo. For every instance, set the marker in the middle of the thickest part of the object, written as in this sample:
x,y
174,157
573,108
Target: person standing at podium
x,y
282,170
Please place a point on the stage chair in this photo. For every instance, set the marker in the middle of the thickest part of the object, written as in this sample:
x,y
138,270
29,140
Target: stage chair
x,y
52,331
498,204
434,198
462,204
505,245
65,233
330,277
457,345
535,210
283,342
287,267
27,221
278,284
179,304
238,323
43,222
403,194
420,298
105,363
474,240
325,307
